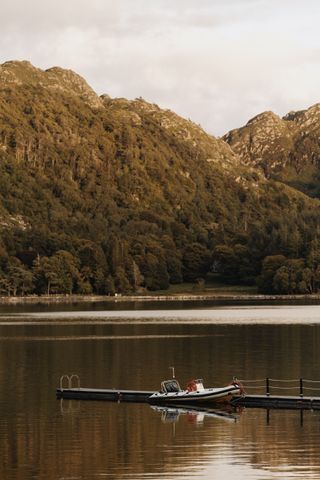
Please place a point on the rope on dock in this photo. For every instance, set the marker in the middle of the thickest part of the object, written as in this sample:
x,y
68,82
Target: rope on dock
x,y
285,380
254,387
252,381
286,384
284,388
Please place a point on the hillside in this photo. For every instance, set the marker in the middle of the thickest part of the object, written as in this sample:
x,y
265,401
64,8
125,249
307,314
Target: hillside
x,y
103,195
285,148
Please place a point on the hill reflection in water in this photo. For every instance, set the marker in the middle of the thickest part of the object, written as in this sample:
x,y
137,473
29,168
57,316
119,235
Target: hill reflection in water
x,y
43,438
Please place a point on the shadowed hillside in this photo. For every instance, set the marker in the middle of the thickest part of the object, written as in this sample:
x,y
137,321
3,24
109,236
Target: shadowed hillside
x,y
103,195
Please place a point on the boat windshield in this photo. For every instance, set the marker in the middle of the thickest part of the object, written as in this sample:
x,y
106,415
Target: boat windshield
x,y
169,386
199,383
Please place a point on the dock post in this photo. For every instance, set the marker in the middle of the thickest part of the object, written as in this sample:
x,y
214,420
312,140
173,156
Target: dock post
x,y
267,386
301,387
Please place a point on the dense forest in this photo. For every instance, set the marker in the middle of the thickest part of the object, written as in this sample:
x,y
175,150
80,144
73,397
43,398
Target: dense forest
x,y
101,195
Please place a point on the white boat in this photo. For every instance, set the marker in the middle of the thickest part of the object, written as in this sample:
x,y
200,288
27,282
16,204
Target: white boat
x,y
194,393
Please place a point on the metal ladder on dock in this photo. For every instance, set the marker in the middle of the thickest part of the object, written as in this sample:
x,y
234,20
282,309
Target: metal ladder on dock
x,y
70,379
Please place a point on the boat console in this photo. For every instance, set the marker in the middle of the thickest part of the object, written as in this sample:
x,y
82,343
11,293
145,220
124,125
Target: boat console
x,y
170,386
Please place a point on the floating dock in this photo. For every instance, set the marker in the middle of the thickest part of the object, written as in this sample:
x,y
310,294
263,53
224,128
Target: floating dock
x,y
111,395
68,391
142,396
277,401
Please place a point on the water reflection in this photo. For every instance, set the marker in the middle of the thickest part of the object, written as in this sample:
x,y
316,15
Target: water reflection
x,y
285,314
196,414
43,438
188,447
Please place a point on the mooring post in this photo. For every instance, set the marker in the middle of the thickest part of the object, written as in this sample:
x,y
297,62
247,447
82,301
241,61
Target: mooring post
x,y
301,387
267,386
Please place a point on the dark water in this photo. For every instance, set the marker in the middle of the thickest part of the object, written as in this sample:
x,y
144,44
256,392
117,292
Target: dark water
x,y
43,438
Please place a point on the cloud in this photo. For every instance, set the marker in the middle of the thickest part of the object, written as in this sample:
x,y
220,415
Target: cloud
x,y
218,62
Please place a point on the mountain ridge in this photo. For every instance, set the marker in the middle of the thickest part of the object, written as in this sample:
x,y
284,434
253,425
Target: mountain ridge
x,y
22,72
103,195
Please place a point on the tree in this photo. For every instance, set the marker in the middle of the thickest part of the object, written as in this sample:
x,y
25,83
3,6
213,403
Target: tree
x,y
100,281
270,265
154,270
45,274
137,276
19,279
121,281
223,259
174,267
93,266
67,268
293,277
5,287
109,286
281,281
196,262
58,274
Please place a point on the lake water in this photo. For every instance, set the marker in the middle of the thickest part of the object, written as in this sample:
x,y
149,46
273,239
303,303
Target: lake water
x,y
44,438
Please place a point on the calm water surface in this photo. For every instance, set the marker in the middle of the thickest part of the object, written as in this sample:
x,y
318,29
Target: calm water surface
x,y
44,438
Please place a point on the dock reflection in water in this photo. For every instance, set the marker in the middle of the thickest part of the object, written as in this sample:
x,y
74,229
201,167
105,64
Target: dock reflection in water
x,y
89,440
196,414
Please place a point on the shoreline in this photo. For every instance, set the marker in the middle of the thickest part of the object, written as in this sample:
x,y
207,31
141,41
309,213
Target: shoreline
x,y
52,299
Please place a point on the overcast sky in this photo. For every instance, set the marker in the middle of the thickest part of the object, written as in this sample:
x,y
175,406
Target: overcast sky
x,y
217,62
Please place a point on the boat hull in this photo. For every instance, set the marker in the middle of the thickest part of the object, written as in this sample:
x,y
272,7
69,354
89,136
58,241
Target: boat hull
x,y
206,396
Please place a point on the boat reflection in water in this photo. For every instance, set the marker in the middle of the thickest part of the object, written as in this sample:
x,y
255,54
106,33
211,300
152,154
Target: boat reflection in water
x,y
196,415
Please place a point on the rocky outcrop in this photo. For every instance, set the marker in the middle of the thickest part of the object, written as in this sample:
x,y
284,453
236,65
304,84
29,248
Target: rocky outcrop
x,y
55,78
257,142
190,134
287,148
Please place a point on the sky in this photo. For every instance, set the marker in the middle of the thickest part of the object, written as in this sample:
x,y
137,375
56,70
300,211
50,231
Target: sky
x,y
217,62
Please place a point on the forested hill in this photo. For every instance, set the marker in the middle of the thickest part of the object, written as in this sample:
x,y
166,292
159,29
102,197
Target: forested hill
x,y
103,195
